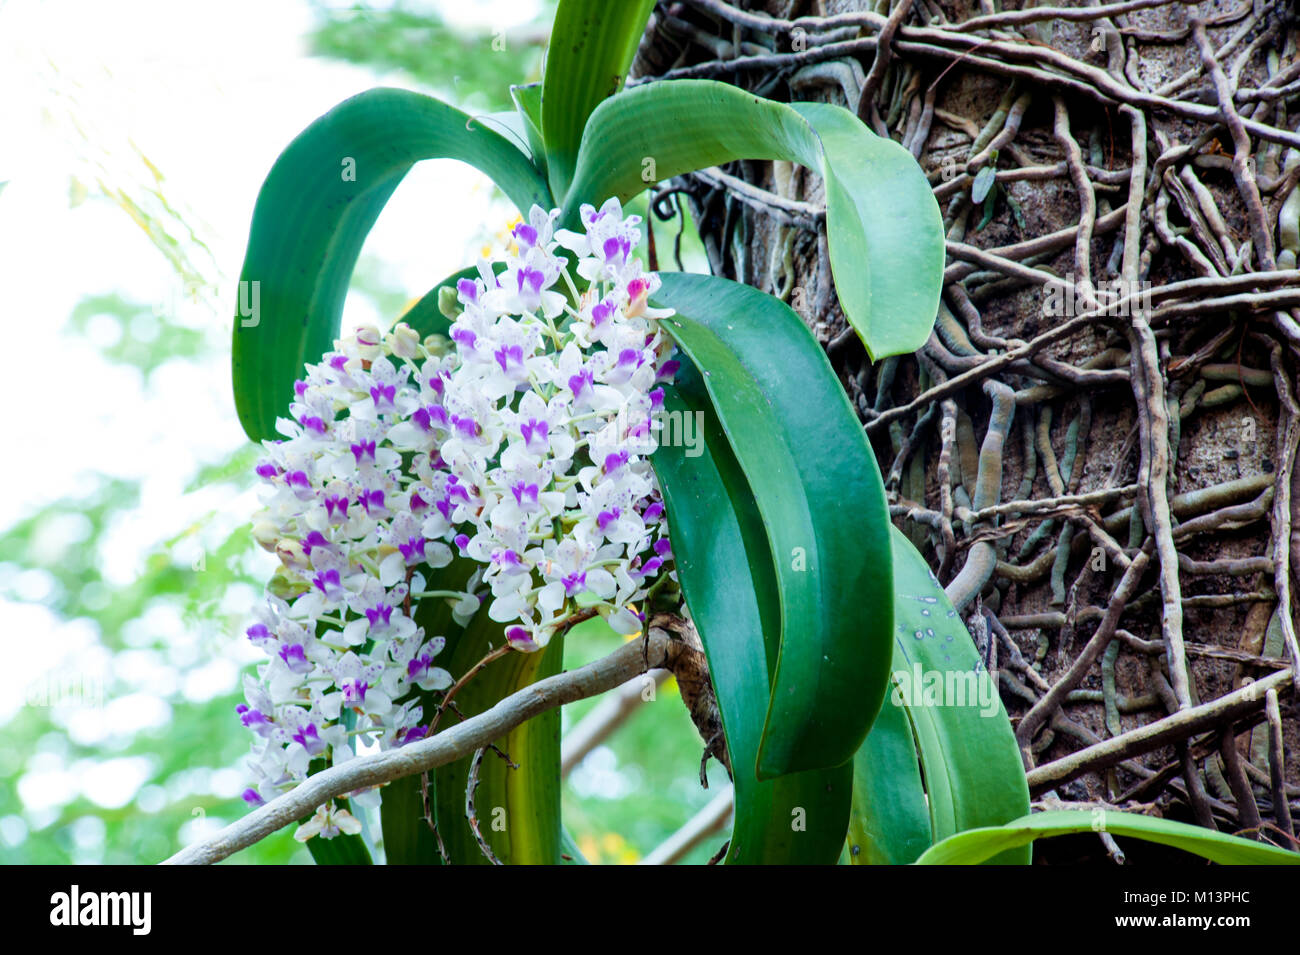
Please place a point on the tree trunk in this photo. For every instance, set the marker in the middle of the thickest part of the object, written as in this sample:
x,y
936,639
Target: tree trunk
x,y
1088,167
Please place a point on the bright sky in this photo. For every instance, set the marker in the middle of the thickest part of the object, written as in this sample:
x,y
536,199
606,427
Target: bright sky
x,y
208,94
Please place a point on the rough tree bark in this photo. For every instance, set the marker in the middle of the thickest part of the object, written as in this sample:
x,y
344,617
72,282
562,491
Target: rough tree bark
x,y
1148,148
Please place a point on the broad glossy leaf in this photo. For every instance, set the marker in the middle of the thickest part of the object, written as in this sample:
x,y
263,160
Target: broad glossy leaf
x,y
889,823
973,773
817,488
979,845
725,567
315,209
592,45
884,226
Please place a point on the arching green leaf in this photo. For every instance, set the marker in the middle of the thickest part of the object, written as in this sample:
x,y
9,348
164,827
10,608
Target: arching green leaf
x,y
971,765
884,227
979,845
817,488
725,567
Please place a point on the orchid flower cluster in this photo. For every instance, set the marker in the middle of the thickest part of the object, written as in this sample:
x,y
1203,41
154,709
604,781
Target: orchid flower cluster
x,y
520,443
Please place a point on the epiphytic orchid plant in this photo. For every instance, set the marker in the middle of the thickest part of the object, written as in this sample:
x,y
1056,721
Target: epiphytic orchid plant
x,y
449,497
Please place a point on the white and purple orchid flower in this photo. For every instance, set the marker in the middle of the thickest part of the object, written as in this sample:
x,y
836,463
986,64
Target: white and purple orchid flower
x,y
521,442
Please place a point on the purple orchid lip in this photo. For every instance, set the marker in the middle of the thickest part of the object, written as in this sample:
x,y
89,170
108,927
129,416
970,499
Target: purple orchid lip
x,y
413,549
379,614
521,639
308,737
506,558
329,584
668,370
252,797
251,717
582,380
525,235
615,461
313,540
339,504
533,278
354,691
418,667
258,631
574,584
605,518
524,492
425,418
534,431
508,356
468,290
295,658
466,426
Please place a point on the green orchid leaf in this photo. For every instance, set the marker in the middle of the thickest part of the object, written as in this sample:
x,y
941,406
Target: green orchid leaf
x,y
341,850
592,45
528,102
884,227
315,209
517,809
972,769
889,823
818,490
403,811
725,566
979,845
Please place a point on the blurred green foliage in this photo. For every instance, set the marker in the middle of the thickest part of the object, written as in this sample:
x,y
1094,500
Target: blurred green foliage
x,y
470,67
